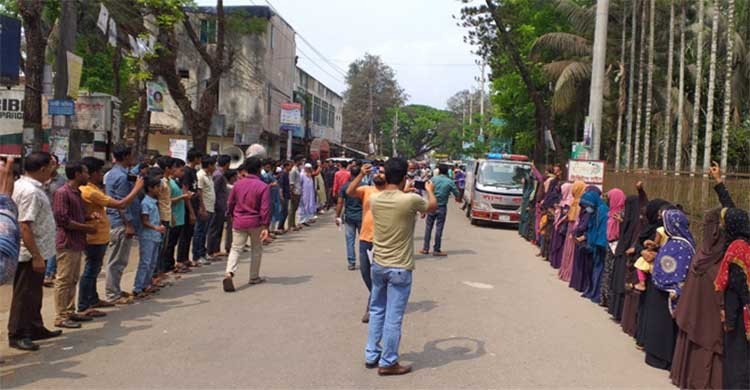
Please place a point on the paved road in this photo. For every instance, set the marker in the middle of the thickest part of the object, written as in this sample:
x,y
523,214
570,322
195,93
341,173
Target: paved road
x,y
489,315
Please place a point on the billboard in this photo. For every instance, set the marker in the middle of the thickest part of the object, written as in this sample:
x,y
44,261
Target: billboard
x,y
11,111
10,50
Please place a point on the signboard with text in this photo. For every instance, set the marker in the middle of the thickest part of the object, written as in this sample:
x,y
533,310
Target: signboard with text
x,y
11,111
587,171
62,107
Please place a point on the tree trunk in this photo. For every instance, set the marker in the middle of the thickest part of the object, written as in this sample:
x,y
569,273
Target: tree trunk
x,y
36,45
641,69
668,109
711,89
697,98
649,89
681,97
622,92
142,121
631,83
542,112
728,86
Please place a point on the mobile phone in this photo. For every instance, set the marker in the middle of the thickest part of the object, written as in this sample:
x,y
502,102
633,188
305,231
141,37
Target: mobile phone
x,y
419,185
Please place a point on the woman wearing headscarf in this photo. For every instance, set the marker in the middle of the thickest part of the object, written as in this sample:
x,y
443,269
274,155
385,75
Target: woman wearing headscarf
x,y
629,228
526,212
733,282
571,220
616,201
697,361
559,229
596,242
582,260
670,270
652,222
538,198
547,206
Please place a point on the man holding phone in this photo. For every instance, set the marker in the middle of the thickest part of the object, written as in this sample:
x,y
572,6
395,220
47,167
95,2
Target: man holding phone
x,y
444,187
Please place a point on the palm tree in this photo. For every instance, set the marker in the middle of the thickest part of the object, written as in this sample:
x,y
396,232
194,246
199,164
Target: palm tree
x,y
711,89
697,98
641,66
667,112
631,80
622,91
649,88
728,85
681,96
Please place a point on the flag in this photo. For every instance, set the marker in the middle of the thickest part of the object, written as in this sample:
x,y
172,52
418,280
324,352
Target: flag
x,y
103,18
112,33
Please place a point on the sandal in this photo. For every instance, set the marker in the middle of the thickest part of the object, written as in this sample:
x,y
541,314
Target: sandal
x,y
257,280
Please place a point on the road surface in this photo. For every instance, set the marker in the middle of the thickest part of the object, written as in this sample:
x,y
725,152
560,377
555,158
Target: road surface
x,y
490,314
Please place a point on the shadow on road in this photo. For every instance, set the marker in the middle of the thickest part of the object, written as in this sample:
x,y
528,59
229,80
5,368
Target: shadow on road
x,y
58,356
438,353
421,306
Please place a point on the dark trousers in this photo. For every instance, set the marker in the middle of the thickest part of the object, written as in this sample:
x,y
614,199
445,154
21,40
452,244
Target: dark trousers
x,y
87,295
284,213
26,305
215,230
228,235
439,217
199,237
364,263
186,237
167,255
161,261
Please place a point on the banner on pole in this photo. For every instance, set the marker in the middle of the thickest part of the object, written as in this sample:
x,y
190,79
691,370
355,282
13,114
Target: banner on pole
x,y
101,22
112,33
75,68
155,91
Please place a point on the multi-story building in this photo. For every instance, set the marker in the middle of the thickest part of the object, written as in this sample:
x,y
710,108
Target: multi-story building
x,y
261,78
322,108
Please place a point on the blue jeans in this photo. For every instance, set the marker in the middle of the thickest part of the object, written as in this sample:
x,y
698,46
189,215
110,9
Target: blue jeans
x,y
87,295
439,216
364,263
351,230
199,237
390,293
149,252
51,267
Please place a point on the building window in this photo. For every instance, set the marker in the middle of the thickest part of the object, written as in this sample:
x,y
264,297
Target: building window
x,y
269,98
208,31
316,110
332,116
271,37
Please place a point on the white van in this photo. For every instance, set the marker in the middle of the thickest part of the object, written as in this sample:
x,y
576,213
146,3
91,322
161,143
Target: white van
x,y
494,188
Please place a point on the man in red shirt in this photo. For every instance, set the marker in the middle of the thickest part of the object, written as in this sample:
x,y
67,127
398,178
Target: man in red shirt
x,y
70,216
340,178
250,207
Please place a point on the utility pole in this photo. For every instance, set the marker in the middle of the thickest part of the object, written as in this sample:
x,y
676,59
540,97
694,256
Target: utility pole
x,y
471,106
481,102
597,76
372,124
394,135
68,27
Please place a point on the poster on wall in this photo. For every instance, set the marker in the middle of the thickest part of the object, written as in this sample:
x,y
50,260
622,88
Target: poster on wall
x,y
59,146
155,92
178,148
11,112
75,68
588,171
87,150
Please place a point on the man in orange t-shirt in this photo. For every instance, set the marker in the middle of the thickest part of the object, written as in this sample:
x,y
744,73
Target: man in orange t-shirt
x,y
366,231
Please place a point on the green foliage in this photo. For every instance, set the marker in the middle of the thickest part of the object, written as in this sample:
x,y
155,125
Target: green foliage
x,y
9,8
421,129
168,12
240,22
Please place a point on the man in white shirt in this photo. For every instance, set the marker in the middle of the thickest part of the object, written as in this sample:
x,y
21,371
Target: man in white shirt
x,y
37,225
295,182
206,187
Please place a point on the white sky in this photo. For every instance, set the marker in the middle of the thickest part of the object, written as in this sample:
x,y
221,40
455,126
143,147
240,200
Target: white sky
x,y
419,39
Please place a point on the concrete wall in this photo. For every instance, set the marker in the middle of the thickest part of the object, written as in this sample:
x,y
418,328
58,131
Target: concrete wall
x,y
263,73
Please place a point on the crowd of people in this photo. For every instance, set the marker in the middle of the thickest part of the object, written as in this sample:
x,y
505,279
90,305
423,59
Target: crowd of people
x,y
687,305
55,223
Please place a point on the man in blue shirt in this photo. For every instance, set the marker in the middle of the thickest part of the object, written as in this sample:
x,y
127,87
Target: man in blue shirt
x,y
352,218
123,228
444,187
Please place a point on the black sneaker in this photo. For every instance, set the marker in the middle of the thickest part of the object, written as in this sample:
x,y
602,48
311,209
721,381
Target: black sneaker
x,y
45,334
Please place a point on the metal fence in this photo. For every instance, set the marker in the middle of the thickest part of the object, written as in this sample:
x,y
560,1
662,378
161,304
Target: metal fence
x,y
696,194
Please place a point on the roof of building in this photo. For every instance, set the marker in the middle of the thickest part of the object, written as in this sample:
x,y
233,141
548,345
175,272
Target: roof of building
x,y
316,79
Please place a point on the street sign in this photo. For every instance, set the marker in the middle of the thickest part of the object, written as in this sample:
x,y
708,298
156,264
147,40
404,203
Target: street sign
x,y
63,107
